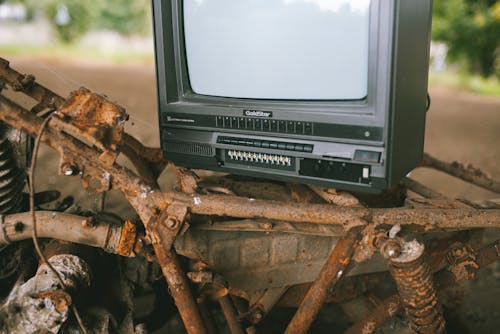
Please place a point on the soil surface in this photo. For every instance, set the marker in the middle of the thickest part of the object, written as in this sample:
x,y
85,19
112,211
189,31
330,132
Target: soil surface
x,y
460,126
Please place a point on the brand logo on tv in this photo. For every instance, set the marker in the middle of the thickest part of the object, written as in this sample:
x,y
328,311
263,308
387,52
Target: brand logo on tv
x,y
257,113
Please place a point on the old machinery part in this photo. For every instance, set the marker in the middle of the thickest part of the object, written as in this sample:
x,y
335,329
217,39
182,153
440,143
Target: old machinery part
x,y
332,272
415,285
117,239
42,304
14,147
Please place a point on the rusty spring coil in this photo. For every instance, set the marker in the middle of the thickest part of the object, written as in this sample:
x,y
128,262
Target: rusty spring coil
x,y
12,179
418,295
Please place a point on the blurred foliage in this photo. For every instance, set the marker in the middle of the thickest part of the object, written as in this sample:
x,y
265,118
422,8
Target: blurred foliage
x,y
73,18
70,18
471,29
126,17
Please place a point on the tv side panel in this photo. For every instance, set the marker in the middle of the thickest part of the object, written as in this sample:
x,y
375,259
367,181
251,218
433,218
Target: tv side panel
x,y
409,87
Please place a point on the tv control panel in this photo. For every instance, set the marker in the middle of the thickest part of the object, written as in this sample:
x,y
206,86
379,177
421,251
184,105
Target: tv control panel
x,y
279,159
272,125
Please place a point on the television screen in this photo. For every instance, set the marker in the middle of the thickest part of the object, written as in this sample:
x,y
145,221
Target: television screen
x,y
278,49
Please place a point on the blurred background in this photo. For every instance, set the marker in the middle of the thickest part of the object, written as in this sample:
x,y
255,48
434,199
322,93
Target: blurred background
x,y
107,46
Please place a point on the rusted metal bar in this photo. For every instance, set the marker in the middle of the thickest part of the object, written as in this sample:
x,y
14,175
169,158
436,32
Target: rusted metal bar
x,y
420,189
348,288
250,188
467,173
334,197
162,230
428,218
227,307
332,272
383,312
180,290
27,84
82,230
415,285
207,316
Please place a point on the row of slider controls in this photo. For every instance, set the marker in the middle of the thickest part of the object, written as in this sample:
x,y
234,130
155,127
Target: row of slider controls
x,y
308,148
273,159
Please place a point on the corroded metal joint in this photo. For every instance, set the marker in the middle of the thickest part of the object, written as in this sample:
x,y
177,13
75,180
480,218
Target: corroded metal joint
x,y
415,285
462,260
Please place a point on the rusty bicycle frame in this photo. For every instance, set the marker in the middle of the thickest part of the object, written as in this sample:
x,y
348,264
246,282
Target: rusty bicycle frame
x,y
87,130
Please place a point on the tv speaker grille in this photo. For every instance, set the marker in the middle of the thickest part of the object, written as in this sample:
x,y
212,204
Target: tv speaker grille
x,y
191,149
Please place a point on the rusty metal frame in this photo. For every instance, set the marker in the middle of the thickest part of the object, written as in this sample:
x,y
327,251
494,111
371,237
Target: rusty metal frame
x,y
91,152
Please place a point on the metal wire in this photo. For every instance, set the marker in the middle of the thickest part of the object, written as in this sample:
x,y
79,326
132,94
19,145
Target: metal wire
x,y
33,218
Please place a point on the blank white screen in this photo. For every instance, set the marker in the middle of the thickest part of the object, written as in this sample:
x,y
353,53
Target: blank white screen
x,y
278,49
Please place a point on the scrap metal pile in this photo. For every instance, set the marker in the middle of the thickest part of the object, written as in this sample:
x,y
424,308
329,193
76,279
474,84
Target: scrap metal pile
x,y
248,245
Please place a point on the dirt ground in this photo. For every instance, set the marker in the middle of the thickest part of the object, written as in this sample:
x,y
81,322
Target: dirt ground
x,y
460,126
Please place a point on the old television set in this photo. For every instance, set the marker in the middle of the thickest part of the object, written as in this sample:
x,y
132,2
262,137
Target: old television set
x,y
327,92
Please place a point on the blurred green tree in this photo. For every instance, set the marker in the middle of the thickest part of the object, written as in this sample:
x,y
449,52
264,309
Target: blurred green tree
x,y
73,18
126,17
471,29
70,18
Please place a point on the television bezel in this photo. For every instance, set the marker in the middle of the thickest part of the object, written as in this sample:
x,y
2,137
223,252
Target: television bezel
x,y
178,96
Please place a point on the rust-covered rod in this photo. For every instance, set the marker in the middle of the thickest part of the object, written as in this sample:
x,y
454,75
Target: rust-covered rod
x,y
231,315
27,84
330,274
180,290
420,189
430,219
467,173
383,312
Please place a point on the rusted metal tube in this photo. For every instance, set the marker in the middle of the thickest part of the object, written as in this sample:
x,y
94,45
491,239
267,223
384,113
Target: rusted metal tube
x,y
332,272
347,289
420,189
415,285
467,173
428,218
383,312
50,224
180,290
227,307
27,84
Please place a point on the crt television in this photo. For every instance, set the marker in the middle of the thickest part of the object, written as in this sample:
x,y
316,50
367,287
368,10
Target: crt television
x,y
326,92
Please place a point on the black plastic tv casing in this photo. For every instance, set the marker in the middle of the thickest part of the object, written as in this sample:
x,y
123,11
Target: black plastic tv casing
x,y
389,122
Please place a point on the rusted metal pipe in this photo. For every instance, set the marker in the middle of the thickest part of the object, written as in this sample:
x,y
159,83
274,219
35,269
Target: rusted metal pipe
x,y
427,218
332,272
77,229
230,314
347,289
467,173
180,290
27,84
415,285
383,312
420,189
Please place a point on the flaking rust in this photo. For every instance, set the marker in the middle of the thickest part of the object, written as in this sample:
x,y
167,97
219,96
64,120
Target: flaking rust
x,y
87,130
